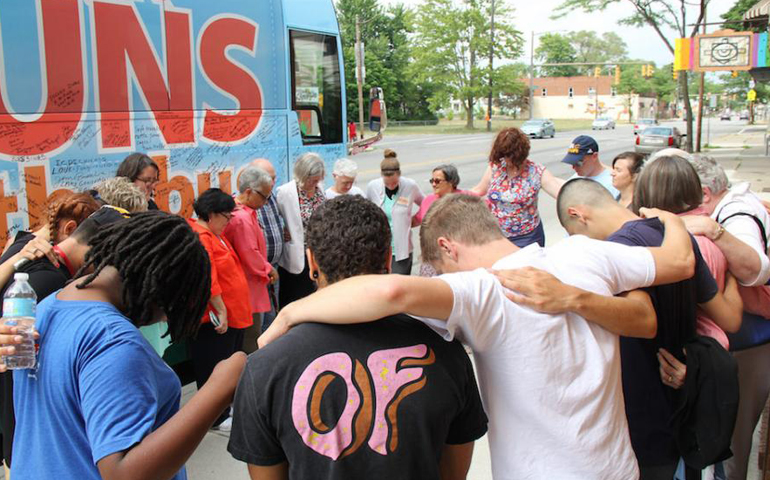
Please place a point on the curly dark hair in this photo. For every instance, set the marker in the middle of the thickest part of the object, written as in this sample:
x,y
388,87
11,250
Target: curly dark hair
x,y
512,145
211,201
161,263
348,236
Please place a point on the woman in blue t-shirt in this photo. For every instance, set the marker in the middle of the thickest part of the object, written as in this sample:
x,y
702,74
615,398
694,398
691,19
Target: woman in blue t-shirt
x,y
102,404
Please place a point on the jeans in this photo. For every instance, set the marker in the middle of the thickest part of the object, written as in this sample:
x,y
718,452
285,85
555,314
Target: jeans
x,y
268,317
535,236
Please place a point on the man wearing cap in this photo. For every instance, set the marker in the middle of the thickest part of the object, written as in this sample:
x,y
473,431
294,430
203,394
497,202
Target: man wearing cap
x,y
583,156
397,197
46,278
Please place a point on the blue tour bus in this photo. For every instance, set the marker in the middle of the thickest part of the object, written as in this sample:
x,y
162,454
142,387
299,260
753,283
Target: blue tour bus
x,y
201,86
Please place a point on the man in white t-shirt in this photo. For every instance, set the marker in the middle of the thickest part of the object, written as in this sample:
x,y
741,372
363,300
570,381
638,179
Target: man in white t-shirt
x,y
550,383
583,157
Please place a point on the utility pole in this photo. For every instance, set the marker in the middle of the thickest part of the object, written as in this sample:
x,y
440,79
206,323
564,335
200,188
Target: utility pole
x,y
531,75
491,69
596,95
700,97
360,76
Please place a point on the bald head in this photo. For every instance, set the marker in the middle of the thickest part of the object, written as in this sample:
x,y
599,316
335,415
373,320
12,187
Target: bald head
x,y
582,192
265,165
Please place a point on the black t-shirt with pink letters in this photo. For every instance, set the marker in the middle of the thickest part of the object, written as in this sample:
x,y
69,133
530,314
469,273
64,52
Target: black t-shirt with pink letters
x,y
376,401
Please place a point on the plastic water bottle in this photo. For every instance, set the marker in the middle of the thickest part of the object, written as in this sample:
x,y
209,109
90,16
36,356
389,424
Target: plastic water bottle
x,y
19,304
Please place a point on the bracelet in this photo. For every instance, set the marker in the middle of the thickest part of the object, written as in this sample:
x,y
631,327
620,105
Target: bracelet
x,y
719,233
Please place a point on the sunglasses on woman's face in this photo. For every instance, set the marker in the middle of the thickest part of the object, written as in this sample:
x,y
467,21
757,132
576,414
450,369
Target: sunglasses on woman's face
x,y
436,181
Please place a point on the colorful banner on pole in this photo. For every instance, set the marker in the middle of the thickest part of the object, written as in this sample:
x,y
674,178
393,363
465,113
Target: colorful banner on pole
x,y
725,50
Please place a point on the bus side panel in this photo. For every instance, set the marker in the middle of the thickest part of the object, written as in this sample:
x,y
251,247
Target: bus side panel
x,y
200,86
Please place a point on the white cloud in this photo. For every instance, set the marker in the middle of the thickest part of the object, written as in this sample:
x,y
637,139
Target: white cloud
x,y
642,43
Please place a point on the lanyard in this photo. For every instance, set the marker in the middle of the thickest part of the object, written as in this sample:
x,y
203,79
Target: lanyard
x,y
64,259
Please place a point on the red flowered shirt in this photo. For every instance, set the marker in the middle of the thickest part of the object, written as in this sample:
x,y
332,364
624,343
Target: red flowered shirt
x,y
513,200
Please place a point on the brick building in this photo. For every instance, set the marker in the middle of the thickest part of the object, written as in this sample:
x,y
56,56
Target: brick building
x,y
575,97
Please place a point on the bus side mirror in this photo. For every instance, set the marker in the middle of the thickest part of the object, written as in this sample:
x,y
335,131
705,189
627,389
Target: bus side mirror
x,y
378,114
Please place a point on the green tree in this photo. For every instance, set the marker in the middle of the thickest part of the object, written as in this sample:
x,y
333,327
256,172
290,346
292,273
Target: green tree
x,y
578,47
556,48
511,91
633,83
589,47
385,35
737,87
452,45
734,17
661,16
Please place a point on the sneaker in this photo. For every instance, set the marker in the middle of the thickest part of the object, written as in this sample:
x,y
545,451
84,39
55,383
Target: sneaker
x,y
225,426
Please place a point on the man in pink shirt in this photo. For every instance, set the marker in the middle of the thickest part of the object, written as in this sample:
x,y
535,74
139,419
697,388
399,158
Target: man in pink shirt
x,y
245,234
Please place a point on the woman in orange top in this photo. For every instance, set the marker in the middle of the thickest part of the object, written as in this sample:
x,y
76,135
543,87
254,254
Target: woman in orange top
x,y
229,302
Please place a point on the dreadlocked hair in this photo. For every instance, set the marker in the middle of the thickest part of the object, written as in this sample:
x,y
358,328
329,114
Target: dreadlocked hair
x,y
161,263
76,207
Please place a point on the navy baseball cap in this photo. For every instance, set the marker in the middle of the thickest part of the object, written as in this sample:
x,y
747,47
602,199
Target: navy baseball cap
x,y
581,146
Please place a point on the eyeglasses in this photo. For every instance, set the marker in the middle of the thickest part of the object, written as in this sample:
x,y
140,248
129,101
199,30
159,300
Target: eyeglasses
x,y
436,181
227,215
148,181
265,197
579,163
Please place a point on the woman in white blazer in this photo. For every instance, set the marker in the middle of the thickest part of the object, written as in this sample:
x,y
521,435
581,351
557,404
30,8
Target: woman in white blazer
x,y
397,197
297,200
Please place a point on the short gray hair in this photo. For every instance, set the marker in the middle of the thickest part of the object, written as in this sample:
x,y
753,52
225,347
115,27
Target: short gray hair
x,y
344,167
253,178
308,165
121,192
711,173
451,174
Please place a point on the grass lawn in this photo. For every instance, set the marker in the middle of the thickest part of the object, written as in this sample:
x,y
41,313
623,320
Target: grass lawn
x,y
458,126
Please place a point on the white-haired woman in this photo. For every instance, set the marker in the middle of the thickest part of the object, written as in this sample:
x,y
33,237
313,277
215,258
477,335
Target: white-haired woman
x,y
345,172
297,200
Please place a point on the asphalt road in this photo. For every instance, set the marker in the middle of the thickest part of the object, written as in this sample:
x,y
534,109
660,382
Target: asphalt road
x,y
419,154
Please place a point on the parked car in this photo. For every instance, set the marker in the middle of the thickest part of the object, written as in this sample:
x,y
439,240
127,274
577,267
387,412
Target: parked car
x,y
725,116
643,123
744,116
657,138
603,123
539,128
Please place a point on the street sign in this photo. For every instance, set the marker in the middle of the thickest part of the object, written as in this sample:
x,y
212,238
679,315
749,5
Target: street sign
x,y
751,95
713,101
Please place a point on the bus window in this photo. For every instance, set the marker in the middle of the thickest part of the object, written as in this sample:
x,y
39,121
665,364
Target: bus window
x,y
316,87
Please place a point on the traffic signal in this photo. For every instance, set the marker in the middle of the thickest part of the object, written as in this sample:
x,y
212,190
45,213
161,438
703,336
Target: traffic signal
x,y
617,74
676,74
650,70
597,71
644,70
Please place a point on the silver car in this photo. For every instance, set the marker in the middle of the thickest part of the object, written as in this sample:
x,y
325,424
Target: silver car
x,y
603,123
657,138
539,128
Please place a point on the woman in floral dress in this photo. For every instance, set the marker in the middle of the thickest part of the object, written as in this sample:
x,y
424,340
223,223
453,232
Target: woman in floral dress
x,y
512,183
